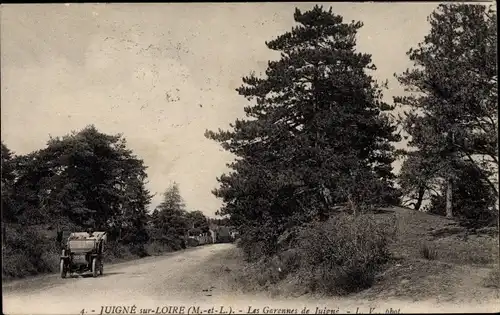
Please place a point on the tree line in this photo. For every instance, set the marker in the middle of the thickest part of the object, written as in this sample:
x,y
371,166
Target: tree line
x,y
88,179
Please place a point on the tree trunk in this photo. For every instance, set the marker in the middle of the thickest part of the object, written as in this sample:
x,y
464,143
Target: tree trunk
x,y
352,204
420,198
449,199
324,214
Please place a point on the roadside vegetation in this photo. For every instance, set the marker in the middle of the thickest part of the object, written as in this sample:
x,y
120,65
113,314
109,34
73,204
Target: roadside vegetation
x,y
83,180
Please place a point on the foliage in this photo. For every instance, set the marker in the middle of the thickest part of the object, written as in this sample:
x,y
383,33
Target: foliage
x,y
191,242
316,133
413,228
219,221
87,178
170,222
417,176
452,101
198,221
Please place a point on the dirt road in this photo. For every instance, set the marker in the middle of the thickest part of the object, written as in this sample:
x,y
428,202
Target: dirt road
x,y
156,285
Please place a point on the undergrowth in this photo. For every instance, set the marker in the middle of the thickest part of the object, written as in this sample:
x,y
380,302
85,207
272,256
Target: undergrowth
x,y
342,255
399,248
336,257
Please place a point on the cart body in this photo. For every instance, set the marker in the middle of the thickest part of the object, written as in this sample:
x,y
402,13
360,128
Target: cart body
x,y
83,252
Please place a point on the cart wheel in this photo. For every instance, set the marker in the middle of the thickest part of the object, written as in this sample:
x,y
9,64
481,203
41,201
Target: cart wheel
x,y
94,267
63,269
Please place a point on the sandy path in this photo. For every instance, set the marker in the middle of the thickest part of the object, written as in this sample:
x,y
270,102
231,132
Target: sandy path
x,y
180,279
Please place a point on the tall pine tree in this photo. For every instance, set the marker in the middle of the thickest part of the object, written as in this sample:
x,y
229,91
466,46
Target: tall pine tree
x,y
315,136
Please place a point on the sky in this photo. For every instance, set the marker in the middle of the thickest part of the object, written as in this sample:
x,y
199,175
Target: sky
x,y
162,74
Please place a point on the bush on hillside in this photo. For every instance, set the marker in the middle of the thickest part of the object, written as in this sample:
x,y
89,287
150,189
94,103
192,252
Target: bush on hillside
x,y
253,250
342,255
257,241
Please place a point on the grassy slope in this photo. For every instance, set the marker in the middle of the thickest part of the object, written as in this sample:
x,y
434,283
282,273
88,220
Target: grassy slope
x,y
456,273
416,229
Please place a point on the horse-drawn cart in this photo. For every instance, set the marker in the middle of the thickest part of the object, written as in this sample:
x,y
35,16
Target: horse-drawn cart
x,y
82,253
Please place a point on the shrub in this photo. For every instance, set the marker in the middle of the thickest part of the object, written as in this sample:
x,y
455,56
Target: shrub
x,y
25,252
342,255
428,252
251,247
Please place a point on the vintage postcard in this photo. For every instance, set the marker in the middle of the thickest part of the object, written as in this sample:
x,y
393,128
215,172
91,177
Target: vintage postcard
x,y
249,158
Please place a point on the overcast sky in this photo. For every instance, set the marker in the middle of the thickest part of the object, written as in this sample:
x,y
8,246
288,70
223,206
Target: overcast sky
x,y
162,74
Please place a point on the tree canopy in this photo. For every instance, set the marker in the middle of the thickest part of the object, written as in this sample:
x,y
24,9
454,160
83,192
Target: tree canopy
x,y
85,179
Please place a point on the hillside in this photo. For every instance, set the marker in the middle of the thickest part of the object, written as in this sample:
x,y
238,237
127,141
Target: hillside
x,y
451,243
459,263
457,267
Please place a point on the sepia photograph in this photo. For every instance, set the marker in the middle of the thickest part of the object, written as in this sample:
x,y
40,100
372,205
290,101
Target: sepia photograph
x,y
249,158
